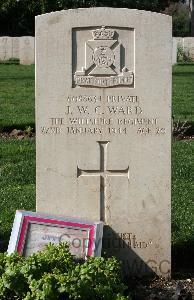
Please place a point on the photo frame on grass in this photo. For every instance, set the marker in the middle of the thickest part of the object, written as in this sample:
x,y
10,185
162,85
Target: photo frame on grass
x,y
32,231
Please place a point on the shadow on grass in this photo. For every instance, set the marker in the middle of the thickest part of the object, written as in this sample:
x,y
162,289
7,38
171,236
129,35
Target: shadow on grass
x,y
183,259
4,241
190,127
185,63
8,129
183,74
11,61
190,130
17,78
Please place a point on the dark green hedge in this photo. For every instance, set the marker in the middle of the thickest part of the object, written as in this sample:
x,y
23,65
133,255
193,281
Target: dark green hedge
x,y
17,16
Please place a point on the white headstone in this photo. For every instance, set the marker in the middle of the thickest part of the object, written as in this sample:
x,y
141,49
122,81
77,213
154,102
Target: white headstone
x,y
103,123
5,47
174,51
180,42
189,46
27,54
16,47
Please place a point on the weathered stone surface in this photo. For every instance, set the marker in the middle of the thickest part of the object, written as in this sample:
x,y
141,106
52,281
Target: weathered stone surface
x,y
180,41
103,123
5,47
16,47
174,50
189,46
27,54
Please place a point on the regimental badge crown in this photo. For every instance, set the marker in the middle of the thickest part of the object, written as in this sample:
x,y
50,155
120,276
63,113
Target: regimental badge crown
x,y
103,34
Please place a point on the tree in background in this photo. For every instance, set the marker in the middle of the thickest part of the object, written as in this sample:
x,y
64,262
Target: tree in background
x,y
191,13
180,17
17,16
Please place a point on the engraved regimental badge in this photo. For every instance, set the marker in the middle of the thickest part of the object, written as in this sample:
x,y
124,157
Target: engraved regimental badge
x,y
103,62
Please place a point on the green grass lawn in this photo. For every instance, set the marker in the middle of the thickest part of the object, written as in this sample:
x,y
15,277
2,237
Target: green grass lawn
x,y
16,97
183,93
17,183
182,191
17,161
183,204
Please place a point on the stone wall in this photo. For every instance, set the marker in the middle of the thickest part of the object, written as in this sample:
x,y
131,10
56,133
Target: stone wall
x,y
187,45
18,47
174,51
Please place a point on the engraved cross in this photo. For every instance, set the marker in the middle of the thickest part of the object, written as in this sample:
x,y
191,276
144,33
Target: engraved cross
x,y
103,172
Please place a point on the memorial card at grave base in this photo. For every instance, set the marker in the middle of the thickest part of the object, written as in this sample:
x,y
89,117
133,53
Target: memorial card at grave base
x,y
31,232
103,128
